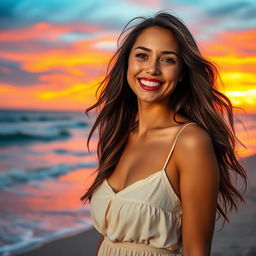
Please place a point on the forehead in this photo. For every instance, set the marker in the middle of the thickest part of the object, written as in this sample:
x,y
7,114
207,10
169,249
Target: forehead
x,y
157,38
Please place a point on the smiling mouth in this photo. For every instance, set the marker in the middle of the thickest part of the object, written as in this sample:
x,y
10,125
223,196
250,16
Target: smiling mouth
x,y
150,83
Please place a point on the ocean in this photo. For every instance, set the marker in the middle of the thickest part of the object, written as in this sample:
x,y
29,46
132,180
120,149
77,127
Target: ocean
x,y
45,167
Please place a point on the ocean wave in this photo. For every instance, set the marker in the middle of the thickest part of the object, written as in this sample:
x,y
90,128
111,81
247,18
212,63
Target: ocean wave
x,y
25,118
19,234
21,136
61,151
16,176
71,125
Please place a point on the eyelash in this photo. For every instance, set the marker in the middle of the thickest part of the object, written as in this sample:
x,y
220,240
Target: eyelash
x,y
139,54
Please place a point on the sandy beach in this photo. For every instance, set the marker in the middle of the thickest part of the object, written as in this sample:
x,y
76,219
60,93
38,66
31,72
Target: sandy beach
x,y
84,244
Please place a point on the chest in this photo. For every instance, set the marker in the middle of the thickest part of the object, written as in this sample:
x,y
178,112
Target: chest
x,y
141,159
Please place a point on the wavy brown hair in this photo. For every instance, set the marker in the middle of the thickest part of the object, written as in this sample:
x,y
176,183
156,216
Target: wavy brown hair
x,y
197,98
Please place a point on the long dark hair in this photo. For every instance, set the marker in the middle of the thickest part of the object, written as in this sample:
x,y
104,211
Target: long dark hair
x,y
197,98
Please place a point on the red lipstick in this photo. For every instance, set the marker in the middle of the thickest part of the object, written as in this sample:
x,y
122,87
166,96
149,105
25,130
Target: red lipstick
x,y
150,87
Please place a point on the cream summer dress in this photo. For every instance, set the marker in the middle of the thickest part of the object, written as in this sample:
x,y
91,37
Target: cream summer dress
x,y
143,219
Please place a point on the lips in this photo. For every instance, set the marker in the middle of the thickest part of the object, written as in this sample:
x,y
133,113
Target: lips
x,y
150,84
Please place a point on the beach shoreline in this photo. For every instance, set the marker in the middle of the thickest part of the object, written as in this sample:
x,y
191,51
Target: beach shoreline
x,y
82,244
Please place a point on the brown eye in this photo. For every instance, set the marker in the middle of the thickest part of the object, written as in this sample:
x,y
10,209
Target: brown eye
x,y
141,55
169,60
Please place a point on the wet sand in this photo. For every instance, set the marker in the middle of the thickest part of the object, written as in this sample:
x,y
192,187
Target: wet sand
x,y
83,244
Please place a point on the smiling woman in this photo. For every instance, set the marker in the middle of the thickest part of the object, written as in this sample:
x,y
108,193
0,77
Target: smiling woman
x,y
155,63
166,150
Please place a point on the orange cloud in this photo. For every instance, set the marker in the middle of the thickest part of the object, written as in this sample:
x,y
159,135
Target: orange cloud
x,y
232,52
75,67
79,54
44,31
76,97
238,43
71,85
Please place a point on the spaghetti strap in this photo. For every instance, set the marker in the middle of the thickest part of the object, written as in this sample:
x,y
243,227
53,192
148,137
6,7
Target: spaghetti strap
x,y
168,157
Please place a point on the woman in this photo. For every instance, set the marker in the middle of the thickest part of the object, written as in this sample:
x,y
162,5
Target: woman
x,y
166,151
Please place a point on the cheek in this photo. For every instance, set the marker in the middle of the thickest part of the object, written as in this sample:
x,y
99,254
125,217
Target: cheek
x,y
132,71
171,73
133,67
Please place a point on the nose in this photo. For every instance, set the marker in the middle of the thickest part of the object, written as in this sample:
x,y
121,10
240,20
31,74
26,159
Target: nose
x,y
153,68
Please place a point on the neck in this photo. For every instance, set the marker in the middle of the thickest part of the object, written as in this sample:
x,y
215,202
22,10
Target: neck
x,y
154,116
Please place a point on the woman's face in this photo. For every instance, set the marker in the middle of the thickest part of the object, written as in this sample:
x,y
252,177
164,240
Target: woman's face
x,y
154,65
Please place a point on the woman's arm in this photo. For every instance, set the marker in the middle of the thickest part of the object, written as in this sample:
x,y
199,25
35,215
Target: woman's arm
x,y
99,244
199,184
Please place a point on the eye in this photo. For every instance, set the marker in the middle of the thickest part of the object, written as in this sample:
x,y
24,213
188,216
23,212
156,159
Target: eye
x,y
141,55
169,60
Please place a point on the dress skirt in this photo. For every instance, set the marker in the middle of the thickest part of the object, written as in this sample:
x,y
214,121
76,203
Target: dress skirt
x,y
109,247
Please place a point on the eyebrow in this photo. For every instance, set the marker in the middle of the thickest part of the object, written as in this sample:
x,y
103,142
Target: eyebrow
x,y
149,50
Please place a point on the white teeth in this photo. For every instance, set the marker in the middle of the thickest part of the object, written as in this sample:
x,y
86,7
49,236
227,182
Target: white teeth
x,y
149,83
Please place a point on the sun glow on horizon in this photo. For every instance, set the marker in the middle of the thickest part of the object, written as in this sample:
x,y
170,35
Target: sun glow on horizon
x,y
51,77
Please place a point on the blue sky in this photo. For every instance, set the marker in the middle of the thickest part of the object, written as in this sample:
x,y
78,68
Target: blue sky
x,y
113,14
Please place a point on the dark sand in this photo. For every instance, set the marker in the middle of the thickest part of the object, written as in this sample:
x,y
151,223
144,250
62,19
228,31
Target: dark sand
x,y
84,244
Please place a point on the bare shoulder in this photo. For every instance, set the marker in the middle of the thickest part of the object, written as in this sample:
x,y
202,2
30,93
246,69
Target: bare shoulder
x,y
193,137
194,143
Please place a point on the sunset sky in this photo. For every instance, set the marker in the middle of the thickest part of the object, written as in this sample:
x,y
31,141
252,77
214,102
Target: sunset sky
x,y
54,52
